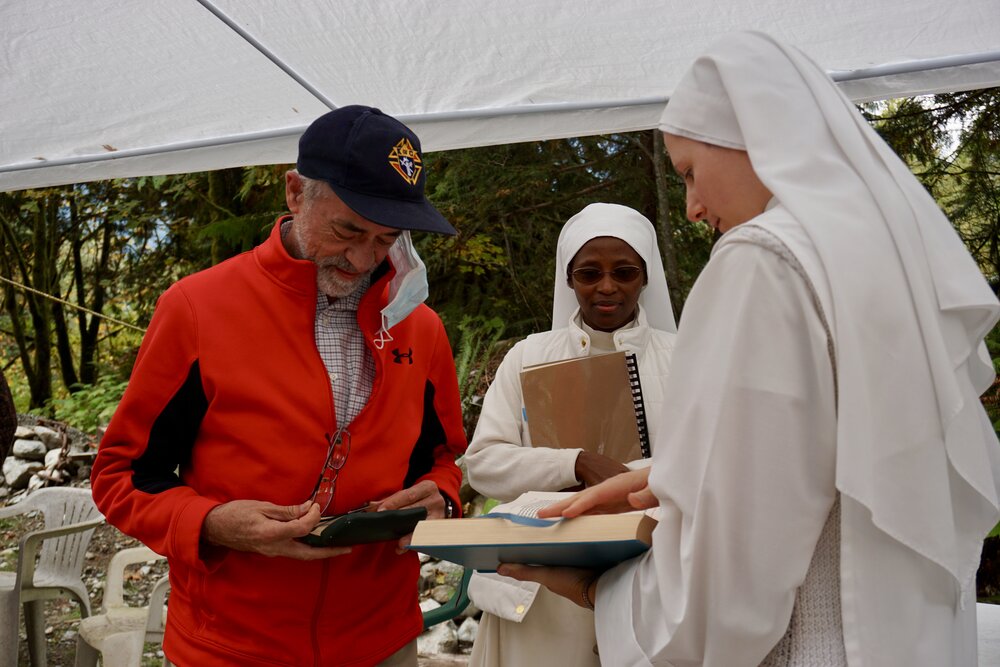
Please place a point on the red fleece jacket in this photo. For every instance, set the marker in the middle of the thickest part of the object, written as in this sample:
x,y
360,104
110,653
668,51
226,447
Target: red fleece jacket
x,y
229,399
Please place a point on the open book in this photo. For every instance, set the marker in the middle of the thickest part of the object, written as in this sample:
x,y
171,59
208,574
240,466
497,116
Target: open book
x,y
513,533
593,403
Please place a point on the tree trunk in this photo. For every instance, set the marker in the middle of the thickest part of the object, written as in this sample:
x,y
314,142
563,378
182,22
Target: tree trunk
x,y
63,346
44,280
89,326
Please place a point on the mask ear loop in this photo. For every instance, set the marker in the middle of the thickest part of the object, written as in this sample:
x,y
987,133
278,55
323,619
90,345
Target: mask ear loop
x,y
383,336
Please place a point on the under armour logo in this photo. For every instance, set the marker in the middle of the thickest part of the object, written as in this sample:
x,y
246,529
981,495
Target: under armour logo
x,y
399,356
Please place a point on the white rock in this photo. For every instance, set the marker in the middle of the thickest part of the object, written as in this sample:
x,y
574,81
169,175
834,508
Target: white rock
x,y
429,605
442,593
442,638
439,572
25,433
35,482
49,437
49,475
52,458
17,496
17,472
30,450
467,631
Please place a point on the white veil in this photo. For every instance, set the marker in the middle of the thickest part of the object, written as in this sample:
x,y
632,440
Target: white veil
x,y
910,306
634,229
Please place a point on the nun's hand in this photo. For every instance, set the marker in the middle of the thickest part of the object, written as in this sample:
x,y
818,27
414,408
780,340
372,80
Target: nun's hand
x,y
622,493
576,584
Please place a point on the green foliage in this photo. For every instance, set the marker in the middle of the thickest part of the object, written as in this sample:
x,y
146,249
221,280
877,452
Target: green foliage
x,y
113,247
950,142
489,505
90,406
152,654
10,531
238,232
509,204
991,398
474,351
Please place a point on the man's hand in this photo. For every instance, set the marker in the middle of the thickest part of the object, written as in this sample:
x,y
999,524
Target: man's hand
x,y
422,494
622,493
592,469
265,528
569,582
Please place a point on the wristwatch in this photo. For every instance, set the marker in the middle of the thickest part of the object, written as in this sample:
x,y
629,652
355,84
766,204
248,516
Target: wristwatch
x,y
449,506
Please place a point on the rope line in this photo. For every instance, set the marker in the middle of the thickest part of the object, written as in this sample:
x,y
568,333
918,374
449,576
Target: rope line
x,y
72,305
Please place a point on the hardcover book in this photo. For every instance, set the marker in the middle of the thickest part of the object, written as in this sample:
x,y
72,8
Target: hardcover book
x,y
513,533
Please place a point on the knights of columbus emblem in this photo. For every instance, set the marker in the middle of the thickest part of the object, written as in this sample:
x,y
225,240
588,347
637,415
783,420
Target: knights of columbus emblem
x,y
406,161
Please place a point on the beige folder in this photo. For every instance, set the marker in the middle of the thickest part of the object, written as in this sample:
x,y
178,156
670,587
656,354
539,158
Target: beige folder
x,y
586,402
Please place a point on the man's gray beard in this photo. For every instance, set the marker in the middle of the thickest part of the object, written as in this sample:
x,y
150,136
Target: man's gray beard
x,y
327,281
333,285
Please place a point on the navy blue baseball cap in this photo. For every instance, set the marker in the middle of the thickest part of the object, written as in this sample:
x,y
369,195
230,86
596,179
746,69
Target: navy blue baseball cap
x,y
374,164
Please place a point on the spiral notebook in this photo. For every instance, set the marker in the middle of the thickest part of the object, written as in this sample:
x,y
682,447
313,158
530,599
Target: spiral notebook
x,y
593,403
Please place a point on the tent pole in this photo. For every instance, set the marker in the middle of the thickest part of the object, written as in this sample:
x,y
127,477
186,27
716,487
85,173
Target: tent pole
x,y
282,65
915,66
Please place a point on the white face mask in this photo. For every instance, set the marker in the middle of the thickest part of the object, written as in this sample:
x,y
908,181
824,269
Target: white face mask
x,y
408,288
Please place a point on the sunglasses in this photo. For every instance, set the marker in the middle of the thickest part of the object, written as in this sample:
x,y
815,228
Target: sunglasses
x,y
336,457
620,274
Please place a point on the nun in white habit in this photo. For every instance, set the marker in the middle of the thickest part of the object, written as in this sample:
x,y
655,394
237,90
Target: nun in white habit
x,y
610,294
825,470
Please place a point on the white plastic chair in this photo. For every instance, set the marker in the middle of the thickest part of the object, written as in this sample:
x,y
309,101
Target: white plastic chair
x,y
119,631
988,619
70,519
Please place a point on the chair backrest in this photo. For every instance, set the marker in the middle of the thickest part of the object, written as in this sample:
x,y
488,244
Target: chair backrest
x,y
156,621
114,583
62,506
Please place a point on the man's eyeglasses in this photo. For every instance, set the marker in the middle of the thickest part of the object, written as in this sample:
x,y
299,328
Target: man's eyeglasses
x,y
336,457
588,275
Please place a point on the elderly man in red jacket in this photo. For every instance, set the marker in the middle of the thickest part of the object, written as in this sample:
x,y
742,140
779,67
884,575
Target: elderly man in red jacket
x,y
309,357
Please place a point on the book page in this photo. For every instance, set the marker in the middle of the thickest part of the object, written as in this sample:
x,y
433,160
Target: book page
x,y
528,504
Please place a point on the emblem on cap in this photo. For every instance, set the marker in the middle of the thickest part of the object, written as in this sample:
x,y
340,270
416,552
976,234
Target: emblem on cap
x,y
405,160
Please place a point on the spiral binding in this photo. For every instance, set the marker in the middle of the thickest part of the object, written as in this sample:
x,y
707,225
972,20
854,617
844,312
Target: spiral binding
x,y
640,408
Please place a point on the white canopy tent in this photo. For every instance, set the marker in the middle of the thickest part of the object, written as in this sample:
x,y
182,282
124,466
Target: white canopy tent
x,y
94,89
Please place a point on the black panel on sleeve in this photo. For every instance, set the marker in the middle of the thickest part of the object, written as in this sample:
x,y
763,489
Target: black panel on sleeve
x,y
172,437
431,436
